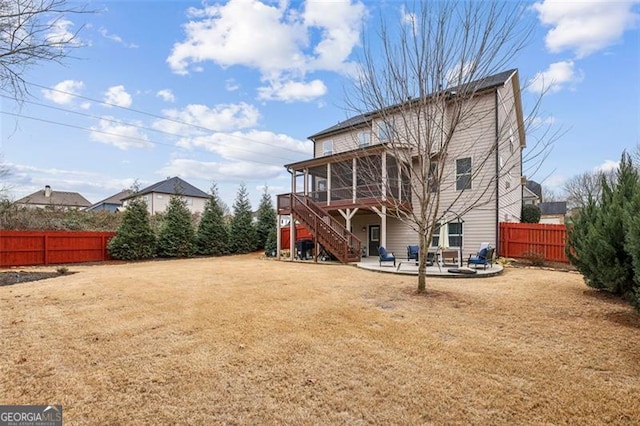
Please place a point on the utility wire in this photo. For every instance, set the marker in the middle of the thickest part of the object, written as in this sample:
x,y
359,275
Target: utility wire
x,y
115,134
120,122
184,123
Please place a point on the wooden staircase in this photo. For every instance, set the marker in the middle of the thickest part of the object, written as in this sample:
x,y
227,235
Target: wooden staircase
x,y
333,236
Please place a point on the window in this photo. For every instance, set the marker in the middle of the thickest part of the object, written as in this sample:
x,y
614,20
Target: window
x,y
327,147
364,139
385,131
463,173
435,240
433,176
455,234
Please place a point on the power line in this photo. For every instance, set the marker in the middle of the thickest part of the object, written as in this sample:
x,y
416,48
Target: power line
x,y
115,134
184,123
118,122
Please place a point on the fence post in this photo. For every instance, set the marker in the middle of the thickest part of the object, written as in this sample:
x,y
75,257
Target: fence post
x,y
46,249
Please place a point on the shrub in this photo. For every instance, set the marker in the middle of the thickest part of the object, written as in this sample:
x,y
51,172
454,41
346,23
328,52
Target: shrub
x,y
134,239
536,258
271,245
530,214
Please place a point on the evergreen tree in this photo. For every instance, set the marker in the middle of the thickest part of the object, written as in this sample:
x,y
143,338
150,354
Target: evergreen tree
x,y
271,246
243,233
266,219
598,242
177,236
632,243
135,238
213,236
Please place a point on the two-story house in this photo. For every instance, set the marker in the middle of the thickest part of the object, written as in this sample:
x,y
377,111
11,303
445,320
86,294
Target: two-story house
x,y
358,190
157,196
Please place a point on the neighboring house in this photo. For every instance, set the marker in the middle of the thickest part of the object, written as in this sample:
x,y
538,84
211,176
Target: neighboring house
x,y
336,194
532,193
157,195
51,199
111,204
553,212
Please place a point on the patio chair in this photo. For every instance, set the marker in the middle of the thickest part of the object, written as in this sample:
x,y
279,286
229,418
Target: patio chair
x,y
385,256
412,252
484,257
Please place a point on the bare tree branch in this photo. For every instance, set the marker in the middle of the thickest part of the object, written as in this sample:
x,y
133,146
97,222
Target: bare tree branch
x,y
33,31
427,84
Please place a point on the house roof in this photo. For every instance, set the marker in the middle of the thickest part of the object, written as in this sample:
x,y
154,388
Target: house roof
x,y
172,186
479,85
534,187
114,199
553,207
57,198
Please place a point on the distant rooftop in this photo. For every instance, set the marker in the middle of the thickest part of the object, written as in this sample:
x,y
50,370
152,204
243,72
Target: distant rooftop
x,y
48,197
171,186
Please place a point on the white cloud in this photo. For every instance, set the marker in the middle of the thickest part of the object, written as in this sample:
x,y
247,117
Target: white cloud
x,y
219,171
64,93
555,78
117,95
293,91
91,185
195,119
284,44
586,26
231,85
411,19
120,135
60,32
166,95
116,38
253,146
607,166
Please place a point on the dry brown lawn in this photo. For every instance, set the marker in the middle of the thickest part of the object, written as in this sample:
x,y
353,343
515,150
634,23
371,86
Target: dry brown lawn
x,y
241,340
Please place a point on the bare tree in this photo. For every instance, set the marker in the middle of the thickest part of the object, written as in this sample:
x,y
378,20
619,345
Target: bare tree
x,y
585,186
33,31
426,83
4,174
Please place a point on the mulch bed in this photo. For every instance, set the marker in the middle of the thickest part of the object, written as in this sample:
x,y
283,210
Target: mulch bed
x,y
15,277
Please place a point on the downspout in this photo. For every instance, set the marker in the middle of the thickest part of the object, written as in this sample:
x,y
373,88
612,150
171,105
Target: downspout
x,y
497,159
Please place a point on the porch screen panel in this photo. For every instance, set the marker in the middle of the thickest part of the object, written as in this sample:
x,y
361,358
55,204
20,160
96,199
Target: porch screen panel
x,y
369,176
342,181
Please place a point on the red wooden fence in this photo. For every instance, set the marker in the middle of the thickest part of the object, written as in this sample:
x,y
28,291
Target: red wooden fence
x,y
24,248
521,240
301,233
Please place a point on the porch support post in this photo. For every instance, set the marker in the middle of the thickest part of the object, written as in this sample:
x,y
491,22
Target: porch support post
x,y
292,221
382,212
384,177
348,215
328,184
354,179
306,182
278,236
293,181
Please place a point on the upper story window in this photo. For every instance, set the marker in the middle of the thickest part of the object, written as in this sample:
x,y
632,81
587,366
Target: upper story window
x,y
385,131
364,139
327,147
463,173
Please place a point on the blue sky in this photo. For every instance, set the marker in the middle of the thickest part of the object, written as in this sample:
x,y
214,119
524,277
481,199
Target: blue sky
x,y
245,82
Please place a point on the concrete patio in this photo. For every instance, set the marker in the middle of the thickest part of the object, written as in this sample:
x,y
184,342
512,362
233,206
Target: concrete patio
x,y
410,267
